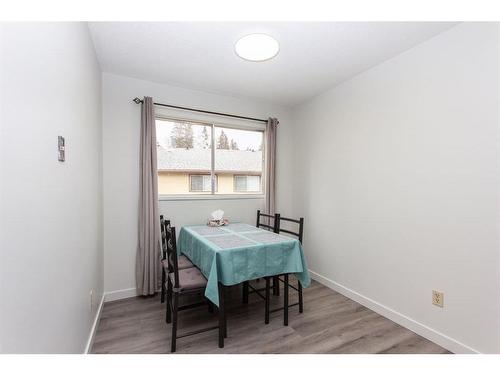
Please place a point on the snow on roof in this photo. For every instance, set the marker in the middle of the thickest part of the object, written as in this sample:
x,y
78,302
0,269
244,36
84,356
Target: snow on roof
x,y
180,159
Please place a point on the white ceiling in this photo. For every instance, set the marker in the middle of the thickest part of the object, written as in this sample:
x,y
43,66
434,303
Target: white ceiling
x,y
313,57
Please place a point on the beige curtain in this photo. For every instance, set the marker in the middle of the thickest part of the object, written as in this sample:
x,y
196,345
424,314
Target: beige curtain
x,y
148,246
271,129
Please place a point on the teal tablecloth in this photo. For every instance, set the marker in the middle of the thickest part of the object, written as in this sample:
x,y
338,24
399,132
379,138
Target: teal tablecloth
x,y
239,252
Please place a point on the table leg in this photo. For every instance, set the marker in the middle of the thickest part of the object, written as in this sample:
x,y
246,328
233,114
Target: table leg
x,y
245,292
285,299
268,287
222,317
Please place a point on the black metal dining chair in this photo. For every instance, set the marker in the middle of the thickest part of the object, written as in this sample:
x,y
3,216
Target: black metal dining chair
x,y
186,282
247,287
183,262
274,228
285,278
274,218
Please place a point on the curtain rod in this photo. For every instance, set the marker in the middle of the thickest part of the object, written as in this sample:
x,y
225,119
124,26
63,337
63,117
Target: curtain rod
x,y
137,100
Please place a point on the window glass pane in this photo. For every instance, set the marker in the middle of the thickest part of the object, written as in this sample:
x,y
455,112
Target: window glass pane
x,y
238,152
253,183
240,183
248,184
185,159
201,183
196,183
183,150
207,183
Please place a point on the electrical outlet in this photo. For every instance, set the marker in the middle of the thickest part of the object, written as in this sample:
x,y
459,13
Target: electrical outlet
x,y
437,298
91,300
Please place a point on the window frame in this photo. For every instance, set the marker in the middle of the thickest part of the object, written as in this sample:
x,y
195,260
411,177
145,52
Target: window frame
x,y
249,125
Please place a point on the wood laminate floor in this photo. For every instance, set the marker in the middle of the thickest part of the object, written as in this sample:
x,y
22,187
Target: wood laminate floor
x,y
331,323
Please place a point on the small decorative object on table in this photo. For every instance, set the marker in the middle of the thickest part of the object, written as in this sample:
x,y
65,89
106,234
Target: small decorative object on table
x,y
217,219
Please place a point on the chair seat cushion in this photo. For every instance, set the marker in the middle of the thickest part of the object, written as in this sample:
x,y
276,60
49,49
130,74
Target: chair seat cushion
x,y
189,278
182,263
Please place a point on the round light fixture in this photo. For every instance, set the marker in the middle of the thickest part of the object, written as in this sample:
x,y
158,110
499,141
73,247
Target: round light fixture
x,y
257,47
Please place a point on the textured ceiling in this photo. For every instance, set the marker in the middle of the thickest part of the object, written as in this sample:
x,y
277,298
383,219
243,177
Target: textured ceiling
x,y
313,56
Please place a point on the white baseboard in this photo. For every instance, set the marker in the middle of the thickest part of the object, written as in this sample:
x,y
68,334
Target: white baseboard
x,y
107,297
431,334
115,295
93,330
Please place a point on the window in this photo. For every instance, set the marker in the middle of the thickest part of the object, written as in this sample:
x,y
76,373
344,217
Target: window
x,y
196,158
244,184
202,182
237,152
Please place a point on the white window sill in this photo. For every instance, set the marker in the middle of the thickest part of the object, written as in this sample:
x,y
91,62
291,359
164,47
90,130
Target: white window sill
x,y
209,197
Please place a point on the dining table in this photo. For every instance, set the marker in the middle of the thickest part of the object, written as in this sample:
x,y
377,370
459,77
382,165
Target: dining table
x,y
239,252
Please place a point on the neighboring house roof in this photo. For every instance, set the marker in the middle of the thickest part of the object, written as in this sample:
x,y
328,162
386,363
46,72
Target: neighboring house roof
x,y
180,159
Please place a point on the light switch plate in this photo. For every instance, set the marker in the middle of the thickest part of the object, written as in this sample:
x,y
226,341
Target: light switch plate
x,y
61,148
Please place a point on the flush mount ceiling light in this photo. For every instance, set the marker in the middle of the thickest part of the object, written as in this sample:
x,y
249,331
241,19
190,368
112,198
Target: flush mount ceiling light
x,y
257,47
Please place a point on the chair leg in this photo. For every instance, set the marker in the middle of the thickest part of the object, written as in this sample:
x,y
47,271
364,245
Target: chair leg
x,y
162,298
276,285
169,301
285,299
301,299
222,320
175,307
268,287
245,292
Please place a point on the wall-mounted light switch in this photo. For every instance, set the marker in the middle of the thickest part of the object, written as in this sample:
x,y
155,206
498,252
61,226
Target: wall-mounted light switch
x,y
61,148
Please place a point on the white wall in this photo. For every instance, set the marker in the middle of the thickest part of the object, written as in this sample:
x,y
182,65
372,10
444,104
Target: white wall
x,y
51,212
121,124
398,178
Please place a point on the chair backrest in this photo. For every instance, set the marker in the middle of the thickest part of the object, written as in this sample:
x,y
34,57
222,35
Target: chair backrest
x,y
300,222
164,236
172,253
275,218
